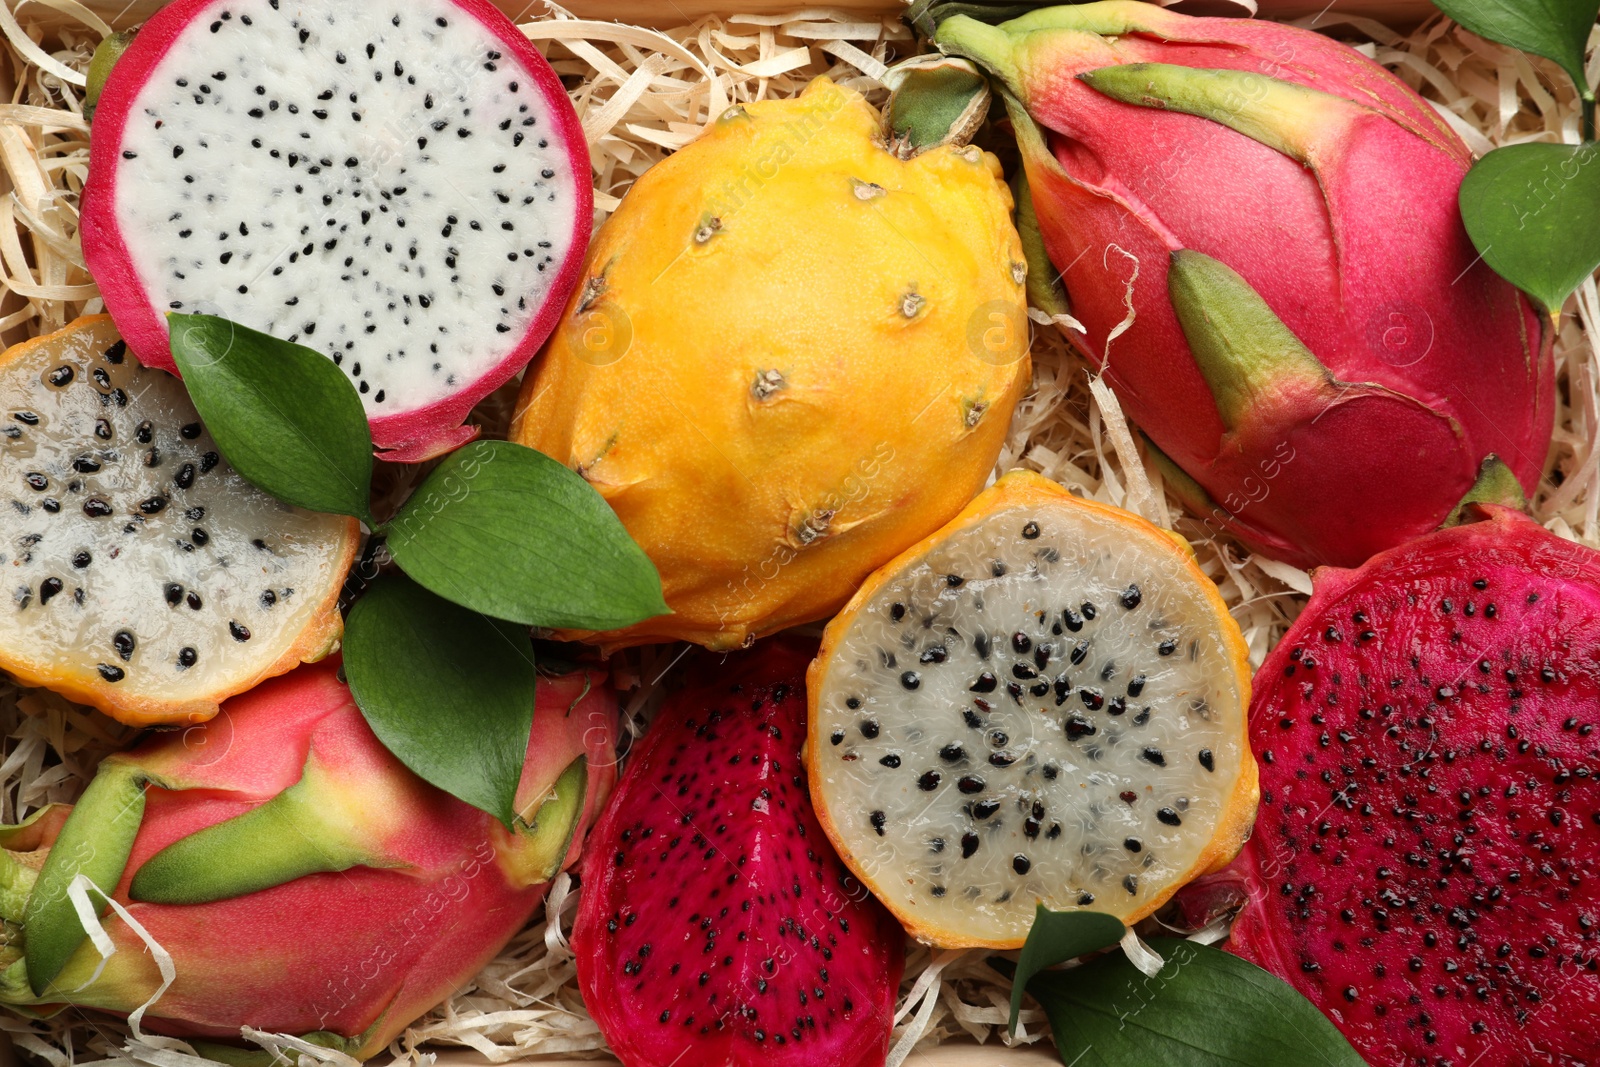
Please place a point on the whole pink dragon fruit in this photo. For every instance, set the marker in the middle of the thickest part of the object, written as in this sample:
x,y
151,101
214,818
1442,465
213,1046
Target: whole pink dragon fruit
x,y
1425,866
1258,229
302,880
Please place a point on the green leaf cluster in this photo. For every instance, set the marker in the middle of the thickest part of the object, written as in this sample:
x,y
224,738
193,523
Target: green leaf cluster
x,y
1533,210
498,538
1206,1008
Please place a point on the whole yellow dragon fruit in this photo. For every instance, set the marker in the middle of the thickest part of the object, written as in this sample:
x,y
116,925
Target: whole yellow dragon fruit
x,y
795,353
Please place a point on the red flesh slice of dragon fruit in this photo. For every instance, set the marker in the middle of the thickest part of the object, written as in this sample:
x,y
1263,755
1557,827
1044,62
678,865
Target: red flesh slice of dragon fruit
x,y
1425,865
401,186
717,925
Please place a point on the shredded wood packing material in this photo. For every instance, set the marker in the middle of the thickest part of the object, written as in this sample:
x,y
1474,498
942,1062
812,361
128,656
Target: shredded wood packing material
x,y
642,93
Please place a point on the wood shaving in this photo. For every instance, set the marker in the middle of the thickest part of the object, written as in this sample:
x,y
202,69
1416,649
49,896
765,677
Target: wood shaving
x,y
642,93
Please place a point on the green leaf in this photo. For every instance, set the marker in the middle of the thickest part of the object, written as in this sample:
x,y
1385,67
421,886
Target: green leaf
x,y
1555,29
449,691
1533,210
510,532
1207,1008
283,415
1056,937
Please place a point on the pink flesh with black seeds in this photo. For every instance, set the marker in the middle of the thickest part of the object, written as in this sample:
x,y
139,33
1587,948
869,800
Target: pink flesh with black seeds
x,y
717,925
1425,865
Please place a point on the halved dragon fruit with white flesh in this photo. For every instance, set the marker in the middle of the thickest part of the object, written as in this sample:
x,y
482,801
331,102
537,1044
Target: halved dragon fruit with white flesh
x,y
1042,703
144,575
400,184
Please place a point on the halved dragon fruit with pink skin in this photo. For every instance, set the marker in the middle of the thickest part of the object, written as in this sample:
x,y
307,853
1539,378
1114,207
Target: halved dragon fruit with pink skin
x,y
1258,229
402,186
717,925
1425,865
302,880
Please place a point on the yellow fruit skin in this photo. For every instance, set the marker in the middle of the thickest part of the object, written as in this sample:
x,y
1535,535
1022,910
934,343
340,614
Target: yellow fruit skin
x,y
1023,487
793,355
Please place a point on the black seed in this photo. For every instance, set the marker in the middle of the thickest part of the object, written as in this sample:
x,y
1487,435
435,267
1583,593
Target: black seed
x,y
837,737
910,679
985,684
1131,883
1131,597
1078,727
890,761
1031,531
96,508
1073,620
953,753
114,355
1133,844
1167,647
929,781
37,481
153,506
869,729
187,658
194,601
191,431
1020,642
1206,760
174,593
110,673
1087,609
1136,685
1170,817
143,432
969,844
185,476
877,819
86,465
970,784
1021,864
199,536
47,589
983,809
1154,755
124,643
208,462
81,560
240,633
61,376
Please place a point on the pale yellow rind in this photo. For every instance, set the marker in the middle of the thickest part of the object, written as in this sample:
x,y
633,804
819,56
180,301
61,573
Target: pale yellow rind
x,y
1027,489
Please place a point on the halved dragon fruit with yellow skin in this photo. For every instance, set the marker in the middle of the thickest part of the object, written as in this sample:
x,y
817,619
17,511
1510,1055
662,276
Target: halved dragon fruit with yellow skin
x,y
301,879
145,575
1258,229
402,186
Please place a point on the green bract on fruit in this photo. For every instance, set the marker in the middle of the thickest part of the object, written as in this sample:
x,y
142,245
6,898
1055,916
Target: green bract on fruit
x,y
145,576
795,354
1041,703
401,185
303,881
1425,867
716,925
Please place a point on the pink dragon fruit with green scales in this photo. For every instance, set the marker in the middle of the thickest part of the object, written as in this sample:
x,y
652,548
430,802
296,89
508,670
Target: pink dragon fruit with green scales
x,y
302,880
1257,228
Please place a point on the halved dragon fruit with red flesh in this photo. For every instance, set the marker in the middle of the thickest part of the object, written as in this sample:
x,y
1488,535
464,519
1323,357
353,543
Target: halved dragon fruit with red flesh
x,y
717,925
1425,866
403,186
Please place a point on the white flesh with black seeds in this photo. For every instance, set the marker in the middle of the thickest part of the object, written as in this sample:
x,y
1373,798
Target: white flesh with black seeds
x,y
132,551
377,186
1034,712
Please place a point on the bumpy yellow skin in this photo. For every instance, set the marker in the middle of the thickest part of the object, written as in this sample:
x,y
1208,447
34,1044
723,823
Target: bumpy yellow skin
x,y
793,356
